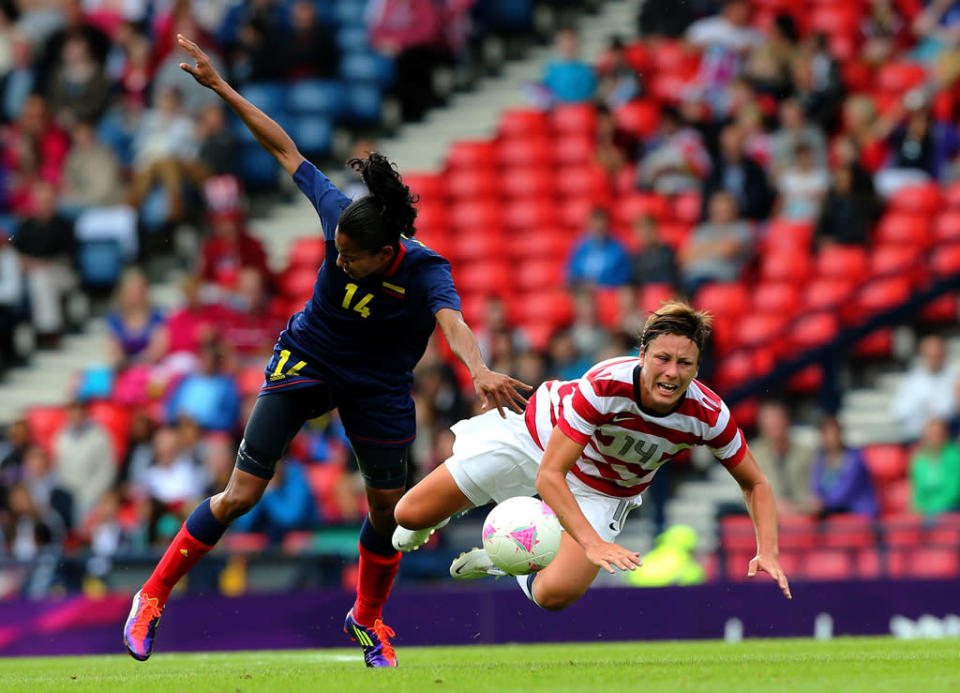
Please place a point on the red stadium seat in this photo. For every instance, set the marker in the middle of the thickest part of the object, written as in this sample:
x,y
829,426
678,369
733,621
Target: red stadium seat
x,y
902,531
540,242
776,297
925,199
472,154
582,180
876,345
745,413
686,207
931,562
847,532
296,543
795,236
943,309
797,532
843,262
628,209
250,379
298,282
946,227
527,181
573,213
473,184
737,533
429,186
951,195
869,566
946,260
899,77
813,329
886,462
827,565
553,306
944,531
245,542
894,497
116,418
807,381
538,274
539,334
536,151
574,149
307,252
474,308
828,293
900,260
674,56
640,118
523,123
904,229
476,246
574,118
762,329
530,214
785,266
857,76
652,296
485,278
726,300
674,234
625,180
486,216
432,217
609,305
323,480
882,294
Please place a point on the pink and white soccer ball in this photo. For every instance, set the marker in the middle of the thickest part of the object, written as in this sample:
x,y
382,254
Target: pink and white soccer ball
x,y
521,535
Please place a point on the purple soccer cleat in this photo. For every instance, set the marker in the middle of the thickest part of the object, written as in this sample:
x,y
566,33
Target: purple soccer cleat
x,y
375,641
141,625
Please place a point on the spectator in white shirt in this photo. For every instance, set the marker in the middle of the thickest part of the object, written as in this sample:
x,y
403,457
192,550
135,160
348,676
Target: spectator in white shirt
x,y
926,391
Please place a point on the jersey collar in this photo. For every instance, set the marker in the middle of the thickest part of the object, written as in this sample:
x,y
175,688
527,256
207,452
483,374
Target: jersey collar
x,y
401,253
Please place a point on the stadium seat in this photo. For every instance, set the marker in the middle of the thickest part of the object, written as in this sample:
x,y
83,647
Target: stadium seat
x,y
797,532
899,77
530,214
842,262
99,263
898,260
831,293
827,565
925,199
535,180
789,235
269,97
763,329
930,562
245,542
482,215
574,149
894,497
943,309
44,423
868,564
734,370
476,246
806,381
886,462
364,103
882,294
473,184
258,168
539,333
944,531
775,297
472,154
316,97
298,282
724,300
523,123
687,207
946,227
904,229
582,180
249,380
847,532
539,242
951,195
534,151
745,413
813,329
572,213
553,306
901,531
674,233
785,266
652,296
609,307
432,217
115,418
307,252
323,479
737,533
876,345
574,118
629,208
366,67
946,260
297,543
484,278
430,187
538,274
639,118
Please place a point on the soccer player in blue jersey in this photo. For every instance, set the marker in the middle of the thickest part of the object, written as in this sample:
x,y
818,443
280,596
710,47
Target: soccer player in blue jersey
x,y
378,297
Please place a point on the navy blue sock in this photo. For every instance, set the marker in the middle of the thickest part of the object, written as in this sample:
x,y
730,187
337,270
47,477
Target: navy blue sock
x,y
203,526
373,541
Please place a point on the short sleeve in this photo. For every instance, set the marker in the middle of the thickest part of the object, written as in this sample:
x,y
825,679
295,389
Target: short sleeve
x,y
585,408
325,197
438,286
725,439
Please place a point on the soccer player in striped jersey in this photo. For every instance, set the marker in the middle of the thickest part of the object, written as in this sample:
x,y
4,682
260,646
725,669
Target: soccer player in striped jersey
x,y
589,447
378,297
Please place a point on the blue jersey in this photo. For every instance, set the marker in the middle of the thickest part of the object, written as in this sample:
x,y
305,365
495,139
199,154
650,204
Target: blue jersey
x,y
367,333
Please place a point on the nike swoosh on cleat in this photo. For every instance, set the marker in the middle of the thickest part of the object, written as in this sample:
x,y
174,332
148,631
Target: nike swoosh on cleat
x,y
459,568
613,526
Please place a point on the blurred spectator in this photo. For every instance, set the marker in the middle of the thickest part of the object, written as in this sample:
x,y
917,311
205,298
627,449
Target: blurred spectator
x,y
139,449
920,144
286,505
133,65
46,245
209,396
884,31
168,74
195,321
410,31
785,458
597,258
737,174
615,146
83,459
172,481
935,471
674,160
218,148
75,26
654,262
23,528
564,362
618,80
308,50
718,249
230,249
11,300
91,173
937,28
588,336
817,84
768,63
863,130
255,55
13,446
165,151
730,29
840,480
927,391
33,148
439,389
355,188
794,130
802,187
40,480
137,331
253,323
566,77
17,83
847,213
757,141
79,88
670,562
104,533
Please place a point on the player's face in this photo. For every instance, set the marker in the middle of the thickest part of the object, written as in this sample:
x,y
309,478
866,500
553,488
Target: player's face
x,y
668,364
357,262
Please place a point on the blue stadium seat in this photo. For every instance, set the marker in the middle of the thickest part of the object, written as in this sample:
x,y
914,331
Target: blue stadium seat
x,y
100,263
351,12
243,132
316,97
364,102
366,67
258,168
351,39
267,96
312,133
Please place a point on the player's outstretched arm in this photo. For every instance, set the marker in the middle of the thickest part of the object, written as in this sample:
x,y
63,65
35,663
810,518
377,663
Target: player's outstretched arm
x,y
494,388
271,136
558,459
763,509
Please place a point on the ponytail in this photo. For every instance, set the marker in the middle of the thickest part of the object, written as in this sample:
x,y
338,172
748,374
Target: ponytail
x,y
380,218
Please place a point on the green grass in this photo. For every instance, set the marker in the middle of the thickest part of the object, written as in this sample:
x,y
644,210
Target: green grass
x,y
844,664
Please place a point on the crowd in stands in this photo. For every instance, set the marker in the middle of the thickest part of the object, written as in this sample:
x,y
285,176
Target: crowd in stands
x,y
724,122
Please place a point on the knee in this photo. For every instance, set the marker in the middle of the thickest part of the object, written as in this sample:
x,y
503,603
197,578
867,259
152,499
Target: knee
x,y
236,502
408,516
550,600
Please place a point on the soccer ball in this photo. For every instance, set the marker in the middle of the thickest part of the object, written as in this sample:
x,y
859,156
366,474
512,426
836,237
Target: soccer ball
x,y
521,535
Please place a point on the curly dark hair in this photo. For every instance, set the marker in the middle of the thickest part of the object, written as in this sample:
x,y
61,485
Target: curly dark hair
x,y
380,218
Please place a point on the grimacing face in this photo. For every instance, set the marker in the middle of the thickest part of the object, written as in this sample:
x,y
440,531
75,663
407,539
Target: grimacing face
x,y
668,364
357,262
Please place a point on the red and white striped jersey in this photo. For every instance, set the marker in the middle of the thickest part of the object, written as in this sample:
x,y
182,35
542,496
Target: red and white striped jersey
x,y
624,446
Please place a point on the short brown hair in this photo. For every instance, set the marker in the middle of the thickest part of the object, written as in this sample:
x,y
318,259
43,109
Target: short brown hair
x,y
677,317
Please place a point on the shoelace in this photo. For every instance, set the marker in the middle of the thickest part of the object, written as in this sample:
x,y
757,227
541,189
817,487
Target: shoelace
x,y
384,633
149,610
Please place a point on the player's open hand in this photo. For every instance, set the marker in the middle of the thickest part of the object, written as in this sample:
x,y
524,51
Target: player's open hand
x,y
771,566
608,555
204,71
499,390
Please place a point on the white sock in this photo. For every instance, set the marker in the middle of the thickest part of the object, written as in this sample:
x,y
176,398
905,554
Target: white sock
x,y
526,584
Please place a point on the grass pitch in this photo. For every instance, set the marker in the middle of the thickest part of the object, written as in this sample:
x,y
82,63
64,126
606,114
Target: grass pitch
x,y
844,664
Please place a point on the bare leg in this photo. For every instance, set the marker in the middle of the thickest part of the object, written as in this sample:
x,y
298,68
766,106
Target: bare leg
x,y
243,491
567,577
431,501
